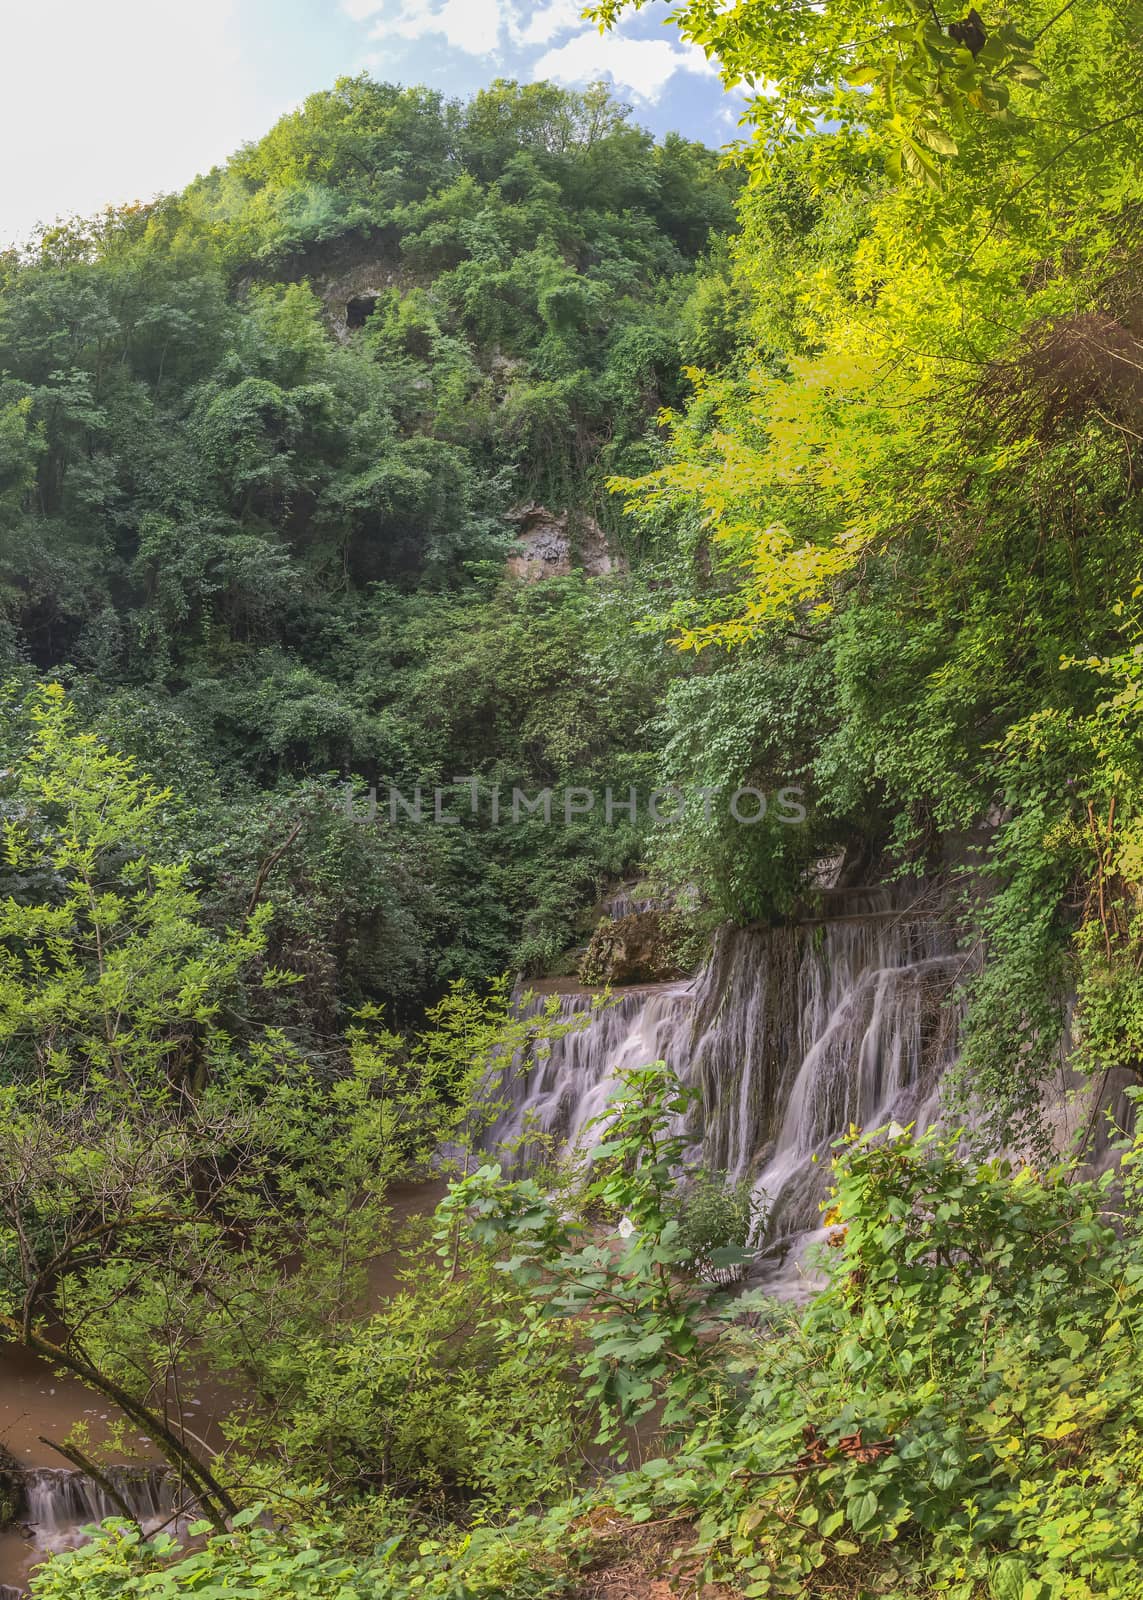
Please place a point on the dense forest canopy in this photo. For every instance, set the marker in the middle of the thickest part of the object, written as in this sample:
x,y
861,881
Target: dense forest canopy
x,y
842,442
266,545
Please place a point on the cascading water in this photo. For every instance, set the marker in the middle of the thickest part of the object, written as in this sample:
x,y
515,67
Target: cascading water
x,y
547,1103
791,1034
59,1504
626,903
851,1020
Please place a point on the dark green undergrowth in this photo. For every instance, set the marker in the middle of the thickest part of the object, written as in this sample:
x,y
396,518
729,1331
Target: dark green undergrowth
x,y
956,1413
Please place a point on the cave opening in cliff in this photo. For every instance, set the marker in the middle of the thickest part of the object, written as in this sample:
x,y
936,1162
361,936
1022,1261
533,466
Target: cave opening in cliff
x,y
359,310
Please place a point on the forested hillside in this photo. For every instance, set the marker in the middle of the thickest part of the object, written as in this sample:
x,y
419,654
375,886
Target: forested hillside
x,y
263,444
429,443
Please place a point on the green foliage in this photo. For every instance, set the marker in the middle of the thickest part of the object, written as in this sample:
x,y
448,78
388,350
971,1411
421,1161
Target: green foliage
x,y
222,506
898,73
645,1323
163,1155
890,511
903,497
955,1413
457,1391
310,1563
109,975
717,1218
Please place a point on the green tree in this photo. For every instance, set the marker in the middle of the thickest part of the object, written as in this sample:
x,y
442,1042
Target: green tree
x,y
181,1194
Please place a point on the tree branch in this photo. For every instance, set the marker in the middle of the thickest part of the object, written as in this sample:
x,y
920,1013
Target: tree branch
x,y
87,1466
268,866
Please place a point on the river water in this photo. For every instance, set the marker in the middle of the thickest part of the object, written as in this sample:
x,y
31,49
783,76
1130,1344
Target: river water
x,y
36,1403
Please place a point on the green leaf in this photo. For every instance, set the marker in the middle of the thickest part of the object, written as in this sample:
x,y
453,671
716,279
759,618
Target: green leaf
x,y
935,138
862,1509
1007,1578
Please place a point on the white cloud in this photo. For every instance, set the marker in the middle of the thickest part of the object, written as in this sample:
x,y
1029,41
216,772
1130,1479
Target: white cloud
x,y
732,114
103,104
473,26
518,28
542,26
645,66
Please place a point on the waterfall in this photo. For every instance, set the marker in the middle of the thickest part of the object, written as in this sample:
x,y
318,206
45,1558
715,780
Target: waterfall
x,y
807,1030
546,1103
59,1503
791,1034
626,903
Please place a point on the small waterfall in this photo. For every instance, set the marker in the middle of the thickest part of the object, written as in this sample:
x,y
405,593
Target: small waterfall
x,y
59,1503
547,1103
791,1034
626,903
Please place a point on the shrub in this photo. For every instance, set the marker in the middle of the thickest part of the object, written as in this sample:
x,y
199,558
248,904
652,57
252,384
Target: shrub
x,y
957,1413
714,1214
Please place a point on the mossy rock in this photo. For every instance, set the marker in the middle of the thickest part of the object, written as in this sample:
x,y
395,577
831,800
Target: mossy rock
x,y
642,948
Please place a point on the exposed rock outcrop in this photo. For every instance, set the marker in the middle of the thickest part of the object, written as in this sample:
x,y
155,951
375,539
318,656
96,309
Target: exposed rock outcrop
x,y
348,274
642,948
550,544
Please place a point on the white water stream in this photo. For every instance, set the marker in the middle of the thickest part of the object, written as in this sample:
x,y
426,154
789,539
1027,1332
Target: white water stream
x,y
790,1034
60,1502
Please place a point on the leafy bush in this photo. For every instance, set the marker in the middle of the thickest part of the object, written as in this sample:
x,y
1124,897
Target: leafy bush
x,y
644,1322
957,1412
716,1216
455,1391
312,1563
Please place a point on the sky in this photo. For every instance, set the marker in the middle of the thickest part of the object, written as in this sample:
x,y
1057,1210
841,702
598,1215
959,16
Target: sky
x,y
104,102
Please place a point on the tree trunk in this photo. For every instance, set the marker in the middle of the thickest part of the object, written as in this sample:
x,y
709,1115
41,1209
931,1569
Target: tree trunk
x,y
214,1500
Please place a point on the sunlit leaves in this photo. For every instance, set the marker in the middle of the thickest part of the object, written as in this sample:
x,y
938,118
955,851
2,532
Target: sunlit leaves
x,y
897,69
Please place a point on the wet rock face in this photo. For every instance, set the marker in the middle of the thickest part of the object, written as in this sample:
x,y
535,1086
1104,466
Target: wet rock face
x,y
550,544
634,949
